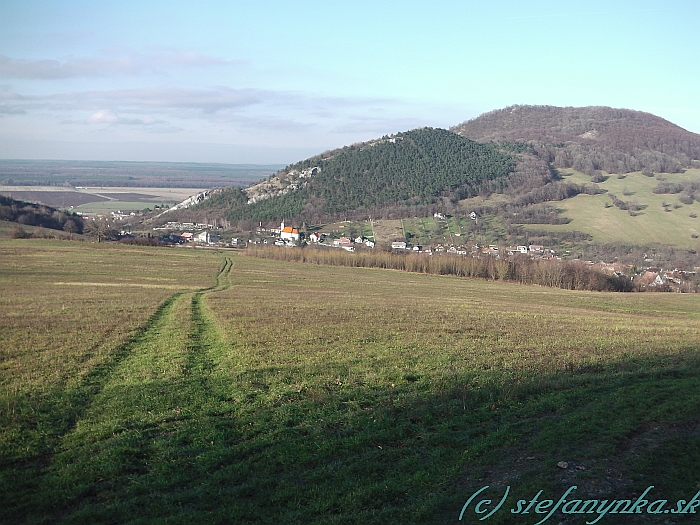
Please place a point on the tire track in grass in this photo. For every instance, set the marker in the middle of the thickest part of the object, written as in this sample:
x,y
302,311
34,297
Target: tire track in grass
x,y
203,337
148,418
22,477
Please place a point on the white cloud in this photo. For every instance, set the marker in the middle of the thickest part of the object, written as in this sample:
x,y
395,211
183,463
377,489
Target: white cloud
x,y
204,100
108,117
129,64
103,116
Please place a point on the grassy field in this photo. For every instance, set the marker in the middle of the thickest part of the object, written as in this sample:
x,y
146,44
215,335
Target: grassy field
x,y
212,388
653,224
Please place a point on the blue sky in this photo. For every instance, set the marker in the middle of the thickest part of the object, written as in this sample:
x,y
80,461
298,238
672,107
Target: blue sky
x,y
274,82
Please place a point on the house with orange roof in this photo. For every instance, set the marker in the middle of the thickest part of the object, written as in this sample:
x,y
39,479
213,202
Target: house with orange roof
x,y
287,232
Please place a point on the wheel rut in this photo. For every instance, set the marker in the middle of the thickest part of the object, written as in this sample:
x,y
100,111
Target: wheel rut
x,y
152,403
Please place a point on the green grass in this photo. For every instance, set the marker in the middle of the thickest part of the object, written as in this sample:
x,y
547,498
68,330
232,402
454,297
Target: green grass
x,y
588,213
108,206
275,392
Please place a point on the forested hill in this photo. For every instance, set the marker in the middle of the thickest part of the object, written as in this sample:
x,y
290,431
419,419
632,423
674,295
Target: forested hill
x,y
38,215
394,174
591,138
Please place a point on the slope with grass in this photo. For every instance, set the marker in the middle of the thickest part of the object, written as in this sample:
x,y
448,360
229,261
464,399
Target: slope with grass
x,y
298,393
655,223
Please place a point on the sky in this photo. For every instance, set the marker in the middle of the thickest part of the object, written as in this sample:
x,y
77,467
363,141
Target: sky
x,y
274,82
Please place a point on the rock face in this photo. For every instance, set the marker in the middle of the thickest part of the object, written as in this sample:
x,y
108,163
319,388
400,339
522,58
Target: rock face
x,y
283,182
191,201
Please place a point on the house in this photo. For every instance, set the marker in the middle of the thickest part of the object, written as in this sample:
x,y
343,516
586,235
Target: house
x,y
343,242
287,232
202,237
650,278
316,237
369,244
536,248
398,245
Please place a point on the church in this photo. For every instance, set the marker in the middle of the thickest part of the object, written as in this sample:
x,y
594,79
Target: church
x,y
287,232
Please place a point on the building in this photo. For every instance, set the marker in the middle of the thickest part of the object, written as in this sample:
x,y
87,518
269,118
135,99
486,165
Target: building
x,y
288,233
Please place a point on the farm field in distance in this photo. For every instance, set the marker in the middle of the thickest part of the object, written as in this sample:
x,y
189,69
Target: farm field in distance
x,y
99,199
94,186
151,385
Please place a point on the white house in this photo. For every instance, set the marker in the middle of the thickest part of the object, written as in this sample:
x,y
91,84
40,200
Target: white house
x,y
287,232
202,237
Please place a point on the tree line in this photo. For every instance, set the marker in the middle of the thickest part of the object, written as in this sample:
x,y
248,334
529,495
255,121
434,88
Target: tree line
x,y
553,273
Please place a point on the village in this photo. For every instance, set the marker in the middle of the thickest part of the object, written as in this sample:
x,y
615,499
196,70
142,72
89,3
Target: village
x,y
651,278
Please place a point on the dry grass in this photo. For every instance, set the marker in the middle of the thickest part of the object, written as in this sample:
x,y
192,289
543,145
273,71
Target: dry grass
x,y
334,316
298,393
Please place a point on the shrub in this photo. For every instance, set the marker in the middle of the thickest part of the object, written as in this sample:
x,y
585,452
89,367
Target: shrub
x,y
18,232
685,198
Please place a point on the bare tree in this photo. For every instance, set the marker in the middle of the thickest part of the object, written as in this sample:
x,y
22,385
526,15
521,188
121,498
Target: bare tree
x,y
70,227
101,229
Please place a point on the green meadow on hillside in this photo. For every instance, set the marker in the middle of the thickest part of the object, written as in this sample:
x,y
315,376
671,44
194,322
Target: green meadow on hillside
x,y
143,385
595,214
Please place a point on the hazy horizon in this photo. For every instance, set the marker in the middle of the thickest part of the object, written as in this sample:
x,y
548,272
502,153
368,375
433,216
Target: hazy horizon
x,y
276,82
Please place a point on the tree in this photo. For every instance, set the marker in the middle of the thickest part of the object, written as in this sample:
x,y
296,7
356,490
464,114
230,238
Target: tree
x,y
70,227
18,232
100,229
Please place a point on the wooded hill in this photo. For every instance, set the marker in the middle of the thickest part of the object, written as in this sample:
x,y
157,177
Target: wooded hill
x,y
402,174
30,214
517,151
591,139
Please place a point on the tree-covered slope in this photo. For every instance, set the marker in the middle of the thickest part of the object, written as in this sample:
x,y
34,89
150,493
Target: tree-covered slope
x,y
591,138
411,169
37,215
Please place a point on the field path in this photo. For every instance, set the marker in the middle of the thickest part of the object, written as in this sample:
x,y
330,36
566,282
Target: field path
x,y
146,407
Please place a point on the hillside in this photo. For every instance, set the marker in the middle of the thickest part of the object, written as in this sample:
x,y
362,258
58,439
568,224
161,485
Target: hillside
x,y
512,167
591,139
391,175
28,214
653,216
